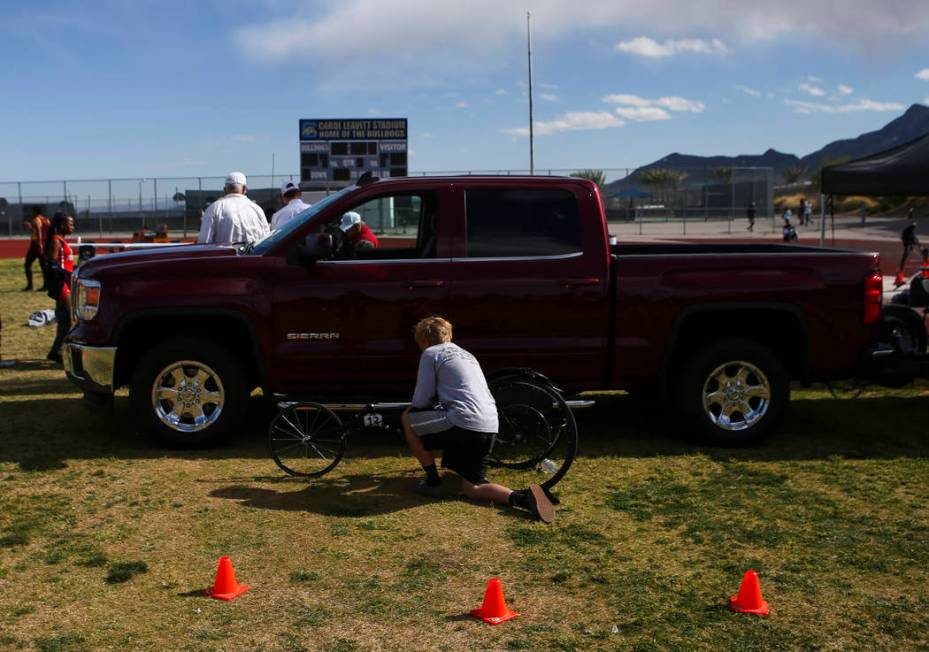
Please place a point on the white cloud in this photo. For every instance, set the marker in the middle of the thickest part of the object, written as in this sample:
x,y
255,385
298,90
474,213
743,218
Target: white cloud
x,y
549,97
461,105
814,79
642,113
801,106
500,91
672,103
570,121
749,91
438,34
425,134
375,112
923,74
628,100
681,104
845,90
815,91
644,46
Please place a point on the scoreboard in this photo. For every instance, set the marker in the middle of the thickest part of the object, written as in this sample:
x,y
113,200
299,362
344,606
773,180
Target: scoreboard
x,y
334,153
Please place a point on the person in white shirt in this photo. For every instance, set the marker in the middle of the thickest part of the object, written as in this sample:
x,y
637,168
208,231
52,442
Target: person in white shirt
x,y
293,204
235,217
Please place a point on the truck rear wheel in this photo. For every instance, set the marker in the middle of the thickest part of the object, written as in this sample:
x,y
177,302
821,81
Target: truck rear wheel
x,y
732,392
188,392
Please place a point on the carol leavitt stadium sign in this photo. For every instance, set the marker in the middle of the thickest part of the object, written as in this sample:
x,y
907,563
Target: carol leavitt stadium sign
x,y
334,153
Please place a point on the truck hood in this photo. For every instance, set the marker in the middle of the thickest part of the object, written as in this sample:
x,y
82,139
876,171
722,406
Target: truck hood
x,y
105,262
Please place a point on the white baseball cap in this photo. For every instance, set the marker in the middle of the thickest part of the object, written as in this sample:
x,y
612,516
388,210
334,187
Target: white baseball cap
x,y
349,220
288,187
236,178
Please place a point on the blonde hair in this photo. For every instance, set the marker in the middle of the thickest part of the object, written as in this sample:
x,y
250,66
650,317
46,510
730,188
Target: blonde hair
x,y
433,330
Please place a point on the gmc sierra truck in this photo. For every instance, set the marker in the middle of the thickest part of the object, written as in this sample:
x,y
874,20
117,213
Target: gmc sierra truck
x,y
525,270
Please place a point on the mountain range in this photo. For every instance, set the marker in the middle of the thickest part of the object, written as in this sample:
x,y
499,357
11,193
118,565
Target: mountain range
x,y
912,124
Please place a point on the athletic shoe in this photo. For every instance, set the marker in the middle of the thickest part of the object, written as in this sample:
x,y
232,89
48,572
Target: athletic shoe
x,y
423,488
535,501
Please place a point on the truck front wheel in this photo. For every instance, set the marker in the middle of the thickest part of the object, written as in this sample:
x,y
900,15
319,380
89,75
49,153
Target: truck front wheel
x,y
188,392
732,392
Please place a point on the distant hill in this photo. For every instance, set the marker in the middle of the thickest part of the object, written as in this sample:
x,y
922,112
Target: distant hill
x,y
912,124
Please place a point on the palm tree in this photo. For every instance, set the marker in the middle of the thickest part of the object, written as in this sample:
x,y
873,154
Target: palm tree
x,y
597,176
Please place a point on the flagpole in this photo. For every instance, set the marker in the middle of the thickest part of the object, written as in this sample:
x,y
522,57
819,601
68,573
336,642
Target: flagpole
x,y
531,138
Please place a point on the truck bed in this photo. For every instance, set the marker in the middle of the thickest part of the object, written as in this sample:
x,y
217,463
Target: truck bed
x,y
715,248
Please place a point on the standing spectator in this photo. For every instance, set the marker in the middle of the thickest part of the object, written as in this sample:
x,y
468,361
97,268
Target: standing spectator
x,y
910,243
234,218
807,212
801,212
38,230
60,267
788,214
293,204
750,214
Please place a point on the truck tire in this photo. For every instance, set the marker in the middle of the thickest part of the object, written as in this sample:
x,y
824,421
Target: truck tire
x,y
904,329
732,392
188,392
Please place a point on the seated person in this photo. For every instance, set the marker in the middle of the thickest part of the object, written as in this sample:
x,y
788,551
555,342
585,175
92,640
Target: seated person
x,y
357,234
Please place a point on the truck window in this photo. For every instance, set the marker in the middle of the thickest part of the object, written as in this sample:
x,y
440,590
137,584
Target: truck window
x,y
405,225
521,223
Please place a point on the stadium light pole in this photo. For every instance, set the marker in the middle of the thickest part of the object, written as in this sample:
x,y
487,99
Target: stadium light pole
x,y
529,54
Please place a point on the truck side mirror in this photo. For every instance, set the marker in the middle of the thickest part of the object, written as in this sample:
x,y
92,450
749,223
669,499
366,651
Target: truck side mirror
x,y
316,246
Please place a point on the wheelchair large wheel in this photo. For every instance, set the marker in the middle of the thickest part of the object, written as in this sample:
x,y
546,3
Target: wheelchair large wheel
x,y
306,440
537,431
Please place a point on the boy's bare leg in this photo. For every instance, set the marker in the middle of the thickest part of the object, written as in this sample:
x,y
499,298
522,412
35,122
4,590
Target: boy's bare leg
x,y
488,491
424,457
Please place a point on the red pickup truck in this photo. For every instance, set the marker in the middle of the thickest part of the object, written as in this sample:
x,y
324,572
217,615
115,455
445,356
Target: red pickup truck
x,y
525,270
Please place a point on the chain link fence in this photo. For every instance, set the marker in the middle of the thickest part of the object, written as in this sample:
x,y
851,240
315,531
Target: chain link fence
x,y
636,200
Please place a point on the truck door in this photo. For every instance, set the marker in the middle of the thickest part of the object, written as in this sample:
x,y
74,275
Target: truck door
x,y
346,324
530,287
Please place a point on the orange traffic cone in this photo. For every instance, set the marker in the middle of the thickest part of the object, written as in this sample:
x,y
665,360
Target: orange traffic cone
x,y
749,599
900,279
494,610
225,587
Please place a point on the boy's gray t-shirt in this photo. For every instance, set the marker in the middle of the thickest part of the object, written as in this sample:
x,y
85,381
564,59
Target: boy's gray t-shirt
x,y
453,376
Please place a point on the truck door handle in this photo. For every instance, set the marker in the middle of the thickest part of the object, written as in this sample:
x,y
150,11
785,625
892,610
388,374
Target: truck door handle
x,y
577,282
427,283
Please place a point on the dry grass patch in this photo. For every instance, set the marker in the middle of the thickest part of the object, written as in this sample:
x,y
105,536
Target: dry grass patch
x,y
653,534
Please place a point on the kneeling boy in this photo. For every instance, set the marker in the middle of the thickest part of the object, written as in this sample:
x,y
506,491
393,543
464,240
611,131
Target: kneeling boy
x,y
455,413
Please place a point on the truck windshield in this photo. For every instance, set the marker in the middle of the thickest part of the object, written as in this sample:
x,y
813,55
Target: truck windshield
x,y
299,219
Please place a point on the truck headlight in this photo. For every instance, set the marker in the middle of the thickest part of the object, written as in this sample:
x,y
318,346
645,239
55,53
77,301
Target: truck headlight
x,y
86,298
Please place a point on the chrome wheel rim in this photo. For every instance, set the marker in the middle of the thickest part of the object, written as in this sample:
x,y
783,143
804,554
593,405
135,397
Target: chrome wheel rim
x,y
188,396
736,395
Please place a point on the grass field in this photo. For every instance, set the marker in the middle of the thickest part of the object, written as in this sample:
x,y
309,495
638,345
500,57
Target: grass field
x,y
107,542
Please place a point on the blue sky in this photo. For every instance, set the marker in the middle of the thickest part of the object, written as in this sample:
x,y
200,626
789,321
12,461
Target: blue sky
x,y
107,88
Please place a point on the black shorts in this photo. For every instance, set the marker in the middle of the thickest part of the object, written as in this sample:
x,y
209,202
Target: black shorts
x,y
463,451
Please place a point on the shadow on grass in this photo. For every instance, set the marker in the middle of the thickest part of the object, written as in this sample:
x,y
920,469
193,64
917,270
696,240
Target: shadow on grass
x,y
33,387
341,495
41,433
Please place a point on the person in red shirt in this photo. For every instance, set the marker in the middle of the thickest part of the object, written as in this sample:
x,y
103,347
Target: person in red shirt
x,y
58,277
357,233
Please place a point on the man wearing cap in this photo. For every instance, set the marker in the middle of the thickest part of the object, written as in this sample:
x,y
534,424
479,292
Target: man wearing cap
x,y
357,233
293,204
233,218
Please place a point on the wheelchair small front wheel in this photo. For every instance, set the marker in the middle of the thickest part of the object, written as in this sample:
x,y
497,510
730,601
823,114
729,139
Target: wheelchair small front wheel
x,y
306,440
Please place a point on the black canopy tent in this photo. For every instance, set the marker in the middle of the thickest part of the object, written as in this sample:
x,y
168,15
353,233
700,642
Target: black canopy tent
x,y
901,170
